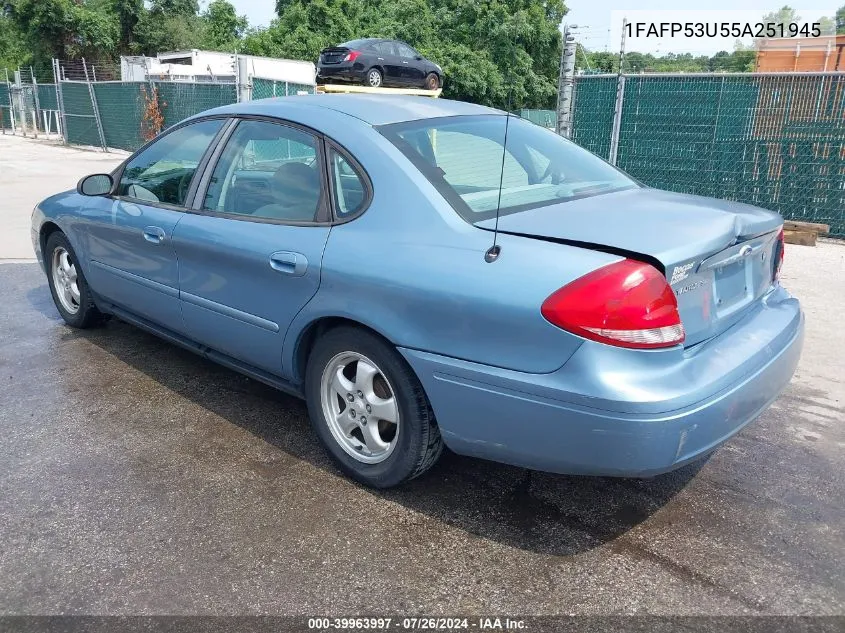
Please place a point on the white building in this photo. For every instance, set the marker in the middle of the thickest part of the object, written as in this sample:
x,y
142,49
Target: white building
x,y
201,66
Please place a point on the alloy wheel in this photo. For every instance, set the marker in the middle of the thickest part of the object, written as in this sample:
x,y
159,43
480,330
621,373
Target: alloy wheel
x,y
360,407
65,280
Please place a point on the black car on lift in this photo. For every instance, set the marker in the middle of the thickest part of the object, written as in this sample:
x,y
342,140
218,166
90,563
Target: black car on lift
x,y
378,62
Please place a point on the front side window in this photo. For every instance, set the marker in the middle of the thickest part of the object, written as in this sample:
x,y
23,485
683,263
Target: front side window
x,y
268,171
405,50
468,160
349,191
163,172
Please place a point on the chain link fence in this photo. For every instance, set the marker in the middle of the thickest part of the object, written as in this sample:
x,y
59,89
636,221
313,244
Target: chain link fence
x,y
772,140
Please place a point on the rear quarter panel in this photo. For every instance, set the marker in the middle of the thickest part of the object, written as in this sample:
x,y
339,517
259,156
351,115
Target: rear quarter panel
x,y
411,269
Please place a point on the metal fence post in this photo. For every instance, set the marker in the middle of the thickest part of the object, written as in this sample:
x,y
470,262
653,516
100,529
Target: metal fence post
x,y
95,107
617,120
244,85
60,102
37,100
567,79
620,97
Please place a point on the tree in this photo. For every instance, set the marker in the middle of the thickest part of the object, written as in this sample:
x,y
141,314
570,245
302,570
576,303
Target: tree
x,y
827,25
502,53
66,28
13,48
224,28
840,20
784,15
168,25
128,13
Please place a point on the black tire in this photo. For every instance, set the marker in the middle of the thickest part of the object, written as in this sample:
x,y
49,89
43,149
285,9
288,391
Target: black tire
x,y
418,441
86,315
374,78
432,81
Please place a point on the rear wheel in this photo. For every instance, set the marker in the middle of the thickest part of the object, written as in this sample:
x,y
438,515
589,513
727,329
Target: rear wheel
x,y
374,78
369,410
432,81
68,285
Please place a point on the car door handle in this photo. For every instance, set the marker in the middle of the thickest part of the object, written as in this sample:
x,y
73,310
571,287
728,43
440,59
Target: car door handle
x,y
154,234
289,263
404,62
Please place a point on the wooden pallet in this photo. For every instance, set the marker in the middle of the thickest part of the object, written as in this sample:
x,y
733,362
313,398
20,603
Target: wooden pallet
x,y
352,88
803,233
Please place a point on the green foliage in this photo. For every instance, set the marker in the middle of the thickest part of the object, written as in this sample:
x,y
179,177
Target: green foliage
x,y
14,50
66,28
503,53
223,27
840,20
740,60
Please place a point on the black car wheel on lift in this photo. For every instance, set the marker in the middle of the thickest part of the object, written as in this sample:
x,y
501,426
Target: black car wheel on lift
x,y
374,78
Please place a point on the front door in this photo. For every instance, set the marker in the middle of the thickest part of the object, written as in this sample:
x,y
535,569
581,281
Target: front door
x,y
129,236
250,259
412,73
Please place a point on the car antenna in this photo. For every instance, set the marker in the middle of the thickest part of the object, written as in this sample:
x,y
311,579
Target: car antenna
x,y
492,253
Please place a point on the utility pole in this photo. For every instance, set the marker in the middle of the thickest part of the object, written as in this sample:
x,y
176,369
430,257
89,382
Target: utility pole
x,y
566,82
620,97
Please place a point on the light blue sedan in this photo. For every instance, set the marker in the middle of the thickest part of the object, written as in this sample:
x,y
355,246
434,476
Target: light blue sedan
x,y
427,272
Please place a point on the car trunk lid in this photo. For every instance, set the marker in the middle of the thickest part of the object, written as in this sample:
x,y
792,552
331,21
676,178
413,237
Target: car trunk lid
x,y
718,256
333,55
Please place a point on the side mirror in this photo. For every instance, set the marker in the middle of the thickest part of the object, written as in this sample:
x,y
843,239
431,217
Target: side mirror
x,y
95,185
418,58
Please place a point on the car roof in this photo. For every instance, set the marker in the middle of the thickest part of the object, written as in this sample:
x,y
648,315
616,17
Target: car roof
x,y
371,108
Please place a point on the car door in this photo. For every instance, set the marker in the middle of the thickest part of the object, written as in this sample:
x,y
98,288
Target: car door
x,y
412,69
129,235
250,255
392,63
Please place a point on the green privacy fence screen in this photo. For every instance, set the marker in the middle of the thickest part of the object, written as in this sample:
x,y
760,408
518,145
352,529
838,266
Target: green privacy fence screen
x,y
47,97
266,88
5,109
777,141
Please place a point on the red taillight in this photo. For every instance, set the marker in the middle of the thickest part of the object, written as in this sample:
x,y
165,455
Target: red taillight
x,y
351,56
627,304
779,255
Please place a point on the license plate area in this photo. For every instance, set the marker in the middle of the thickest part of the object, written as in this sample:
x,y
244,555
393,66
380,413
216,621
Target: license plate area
x,y
732,287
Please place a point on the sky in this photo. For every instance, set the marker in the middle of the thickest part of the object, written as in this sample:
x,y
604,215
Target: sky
x,y
600,21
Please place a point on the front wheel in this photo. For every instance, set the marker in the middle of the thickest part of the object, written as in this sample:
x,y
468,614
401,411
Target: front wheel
x,y
374,78
68,285
432,82
369,410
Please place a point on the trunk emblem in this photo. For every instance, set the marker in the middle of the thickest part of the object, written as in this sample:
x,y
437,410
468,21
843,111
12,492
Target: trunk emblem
x,y
680,273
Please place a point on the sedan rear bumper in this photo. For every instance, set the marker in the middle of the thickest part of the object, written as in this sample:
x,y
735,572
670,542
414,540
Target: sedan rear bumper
x,y
669,407
344,71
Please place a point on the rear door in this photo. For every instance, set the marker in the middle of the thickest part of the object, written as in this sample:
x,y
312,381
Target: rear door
x,y
132,260
250,258
392,63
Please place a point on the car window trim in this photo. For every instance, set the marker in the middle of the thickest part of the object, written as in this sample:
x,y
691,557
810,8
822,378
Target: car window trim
x,y
323,215
117,173
334,146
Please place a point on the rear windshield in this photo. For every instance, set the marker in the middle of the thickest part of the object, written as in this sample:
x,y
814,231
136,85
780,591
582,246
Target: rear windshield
x,y
355,44
463,157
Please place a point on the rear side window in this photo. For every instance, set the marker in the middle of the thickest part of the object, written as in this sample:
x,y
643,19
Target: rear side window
x,y
267,171
469,160
164,170
349,191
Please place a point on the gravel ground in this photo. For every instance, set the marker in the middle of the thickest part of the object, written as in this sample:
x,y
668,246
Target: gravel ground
x,y
136,478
